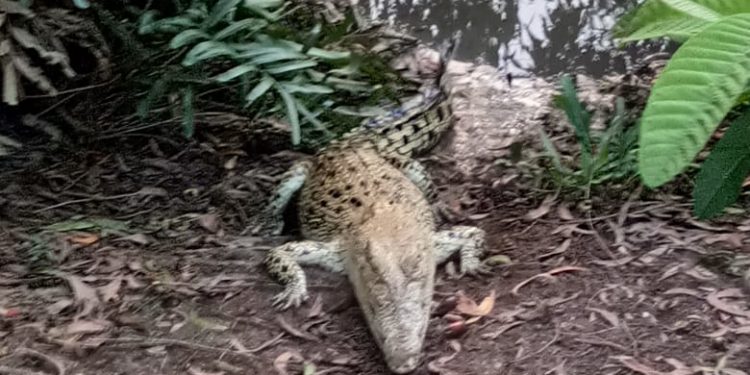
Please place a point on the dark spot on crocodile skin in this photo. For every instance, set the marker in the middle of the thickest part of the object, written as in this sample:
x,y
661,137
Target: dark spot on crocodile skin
x,y
406,139
415,128
338,210
284,269
399,127
363,183
430,135
352,169
335,193
367,193
323,203
385,177
391,202
356,202
348,187
331,173
440,114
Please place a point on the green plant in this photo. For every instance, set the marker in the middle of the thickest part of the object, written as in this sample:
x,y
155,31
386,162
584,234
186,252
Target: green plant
x,y
250,44
606,156
703,81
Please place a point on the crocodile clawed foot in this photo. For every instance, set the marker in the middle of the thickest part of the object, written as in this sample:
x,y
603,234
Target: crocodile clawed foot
x,y
474,267
290,297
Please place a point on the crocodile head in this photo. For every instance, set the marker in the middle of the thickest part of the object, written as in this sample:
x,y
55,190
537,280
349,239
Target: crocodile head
x,y
393,281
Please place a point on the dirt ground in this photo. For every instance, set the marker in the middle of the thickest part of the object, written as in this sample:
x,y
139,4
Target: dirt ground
x,y
168,288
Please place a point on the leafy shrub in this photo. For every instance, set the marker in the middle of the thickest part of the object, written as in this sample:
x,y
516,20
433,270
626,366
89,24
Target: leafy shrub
x,y
246,42
606,156
704,80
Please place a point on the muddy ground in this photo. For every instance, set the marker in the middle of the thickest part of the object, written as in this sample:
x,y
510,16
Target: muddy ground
x,y
639,287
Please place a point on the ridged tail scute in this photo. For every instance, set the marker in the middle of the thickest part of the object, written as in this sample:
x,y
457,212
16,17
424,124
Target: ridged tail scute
x,y
447,50
417,124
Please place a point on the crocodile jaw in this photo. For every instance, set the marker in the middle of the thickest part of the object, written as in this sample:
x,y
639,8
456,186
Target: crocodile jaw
x,y
394,290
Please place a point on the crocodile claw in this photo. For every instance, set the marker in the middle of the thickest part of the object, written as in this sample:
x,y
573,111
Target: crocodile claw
x,y
289,297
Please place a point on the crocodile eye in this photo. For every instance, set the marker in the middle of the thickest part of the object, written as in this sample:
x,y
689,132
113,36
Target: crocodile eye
x,y
379,291
413,265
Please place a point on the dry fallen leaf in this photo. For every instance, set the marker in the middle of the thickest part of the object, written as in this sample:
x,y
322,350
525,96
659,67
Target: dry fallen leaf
x,y
715,299
733,239
542,210
110,291
83,239
608,316
467,306
317,308
564,213
196,371
85,296
138,238
282,361
57,307
209,222
87,326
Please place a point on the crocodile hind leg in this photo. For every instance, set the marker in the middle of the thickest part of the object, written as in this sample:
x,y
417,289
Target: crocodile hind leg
x,y
291,182
284,264
467,241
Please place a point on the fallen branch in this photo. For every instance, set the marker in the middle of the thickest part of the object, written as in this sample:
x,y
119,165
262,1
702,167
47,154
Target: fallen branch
x,y
547,275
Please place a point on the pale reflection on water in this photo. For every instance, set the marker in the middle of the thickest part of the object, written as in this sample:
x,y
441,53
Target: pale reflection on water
x,y
522,37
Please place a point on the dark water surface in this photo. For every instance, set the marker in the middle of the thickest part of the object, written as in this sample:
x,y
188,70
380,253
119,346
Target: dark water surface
x,y
522,37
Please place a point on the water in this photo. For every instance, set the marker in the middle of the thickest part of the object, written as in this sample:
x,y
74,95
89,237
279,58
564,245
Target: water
x,y
522,37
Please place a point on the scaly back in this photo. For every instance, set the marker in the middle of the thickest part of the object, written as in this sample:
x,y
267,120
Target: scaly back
x,y
344,186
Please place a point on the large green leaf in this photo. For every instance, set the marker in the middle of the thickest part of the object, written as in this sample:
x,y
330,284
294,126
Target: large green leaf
x,y
235,72
188,113
676,19
220,11
207,50
249,25
292,114
187,37
261,88
719,181
693,94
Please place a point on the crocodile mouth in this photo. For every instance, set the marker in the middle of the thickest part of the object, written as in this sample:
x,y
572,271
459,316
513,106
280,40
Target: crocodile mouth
x,y
401,343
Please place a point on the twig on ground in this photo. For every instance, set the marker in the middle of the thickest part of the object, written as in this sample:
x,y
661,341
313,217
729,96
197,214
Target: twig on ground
x,y
543,348
295,332
548,275
53,362
140,342
5,370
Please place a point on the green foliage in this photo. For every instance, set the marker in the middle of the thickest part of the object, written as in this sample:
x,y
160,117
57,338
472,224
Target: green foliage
x,y
696,90
607,156
703,81
720,179
276,67
675,19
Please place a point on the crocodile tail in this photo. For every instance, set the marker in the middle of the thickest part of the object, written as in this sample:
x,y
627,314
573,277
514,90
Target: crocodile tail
x,y
446,55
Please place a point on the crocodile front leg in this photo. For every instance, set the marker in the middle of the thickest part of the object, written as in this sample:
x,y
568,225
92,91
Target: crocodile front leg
x,y
291,182
284,264
466,240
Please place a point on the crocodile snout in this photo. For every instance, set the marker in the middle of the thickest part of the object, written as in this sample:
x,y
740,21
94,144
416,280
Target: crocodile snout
x,y
404,364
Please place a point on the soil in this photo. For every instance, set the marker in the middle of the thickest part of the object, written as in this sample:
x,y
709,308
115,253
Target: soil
x,y
174,293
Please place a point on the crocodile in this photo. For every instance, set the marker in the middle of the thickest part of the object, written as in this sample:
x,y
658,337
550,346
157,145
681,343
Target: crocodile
x,y
365,210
